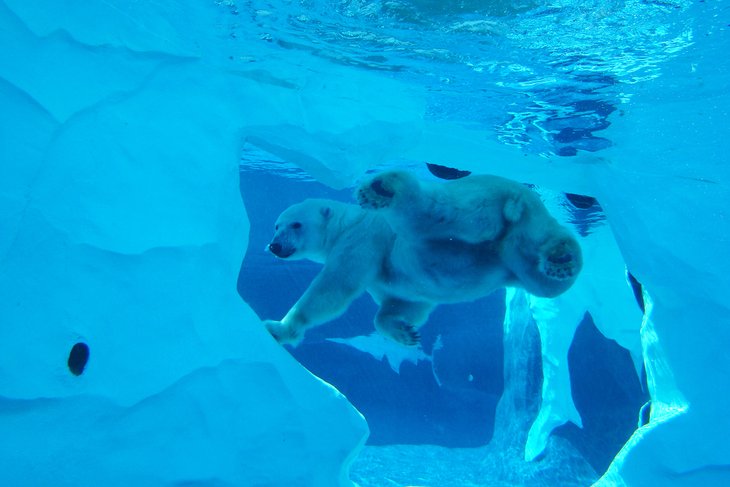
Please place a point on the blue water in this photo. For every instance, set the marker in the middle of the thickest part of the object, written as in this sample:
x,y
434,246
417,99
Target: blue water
x,y
541,75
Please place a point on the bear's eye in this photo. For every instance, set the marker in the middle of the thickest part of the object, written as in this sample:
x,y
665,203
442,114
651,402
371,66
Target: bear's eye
x,y
296,225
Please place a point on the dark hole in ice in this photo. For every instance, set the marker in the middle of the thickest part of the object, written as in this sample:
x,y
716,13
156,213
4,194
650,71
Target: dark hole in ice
x,y
445,172
645,414
580,201
78,358
638,291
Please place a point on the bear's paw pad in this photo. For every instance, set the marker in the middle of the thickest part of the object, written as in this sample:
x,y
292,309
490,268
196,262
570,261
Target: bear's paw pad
x,y
376,193
560,262
403,333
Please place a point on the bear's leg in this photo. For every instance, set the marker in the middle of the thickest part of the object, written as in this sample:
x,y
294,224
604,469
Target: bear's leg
x,y
340,281
418,212
476,209
399,320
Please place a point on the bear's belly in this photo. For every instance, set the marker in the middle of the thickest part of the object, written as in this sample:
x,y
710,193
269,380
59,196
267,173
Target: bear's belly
x,y
443,271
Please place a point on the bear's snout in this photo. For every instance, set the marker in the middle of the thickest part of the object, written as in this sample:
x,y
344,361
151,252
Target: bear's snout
x,y
275,248
279,250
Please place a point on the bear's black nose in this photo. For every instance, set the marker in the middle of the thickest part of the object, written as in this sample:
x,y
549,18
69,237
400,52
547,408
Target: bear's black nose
x,y
275,248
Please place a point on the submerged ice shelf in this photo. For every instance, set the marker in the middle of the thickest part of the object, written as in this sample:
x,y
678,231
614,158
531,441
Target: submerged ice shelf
x,y
122,228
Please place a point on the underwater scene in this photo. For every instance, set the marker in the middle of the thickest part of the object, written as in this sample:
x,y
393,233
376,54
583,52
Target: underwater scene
x,y
386,243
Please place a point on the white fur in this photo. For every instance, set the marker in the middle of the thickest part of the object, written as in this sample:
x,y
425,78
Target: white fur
x,y
422,245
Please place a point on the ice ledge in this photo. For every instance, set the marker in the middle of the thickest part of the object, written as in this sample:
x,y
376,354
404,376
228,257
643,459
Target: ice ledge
x,y
201,429
143,27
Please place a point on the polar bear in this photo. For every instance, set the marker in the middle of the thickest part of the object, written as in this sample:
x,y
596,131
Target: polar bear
x,y
543,254
413,245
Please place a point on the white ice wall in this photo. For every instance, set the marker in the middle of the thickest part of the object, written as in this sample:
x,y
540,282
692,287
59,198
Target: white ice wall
x,y
602,291
123,227
666,194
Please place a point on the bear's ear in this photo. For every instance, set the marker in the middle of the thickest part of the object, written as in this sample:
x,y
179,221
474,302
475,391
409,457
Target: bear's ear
x,y
326,212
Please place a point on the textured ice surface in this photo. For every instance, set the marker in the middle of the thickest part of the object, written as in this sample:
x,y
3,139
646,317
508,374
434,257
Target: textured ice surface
x,y
123,228
671,222
237,423
601,290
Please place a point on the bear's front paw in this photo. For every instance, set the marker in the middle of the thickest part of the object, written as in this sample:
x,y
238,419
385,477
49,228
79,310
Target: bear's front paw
x,y
401,332
283,333
561,259
378,192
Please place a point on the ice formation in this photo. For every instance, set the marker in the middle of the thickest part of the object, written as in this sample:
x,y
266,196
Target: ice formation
x,y
382,348
603,291
671,223
122,228
395,354
504,459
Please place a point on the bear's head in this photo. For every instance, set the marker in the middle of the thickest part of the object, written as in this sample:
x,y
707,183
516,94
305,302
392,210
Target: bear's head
x,y
300,231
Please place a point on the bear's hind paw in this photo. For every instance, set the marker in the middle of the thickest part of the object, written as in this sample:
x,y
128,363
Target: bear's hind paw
x,y
403,333
376,193
561,261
